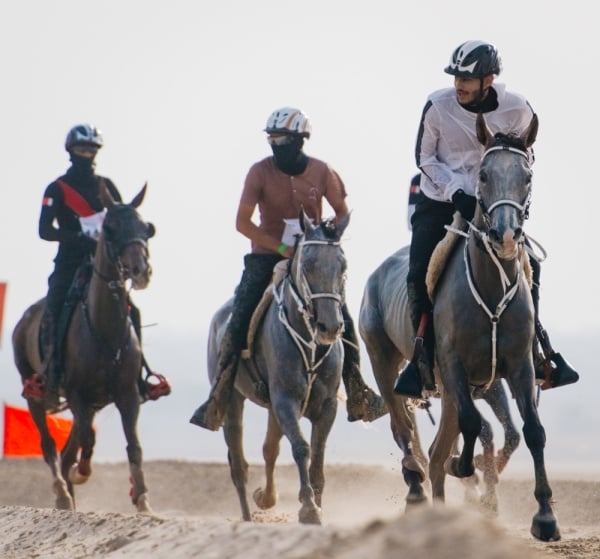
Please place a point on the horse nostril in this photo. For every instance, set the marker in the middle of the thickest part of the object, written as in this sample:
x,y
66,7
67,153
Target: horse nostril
x,y
321,327
495,236
518,234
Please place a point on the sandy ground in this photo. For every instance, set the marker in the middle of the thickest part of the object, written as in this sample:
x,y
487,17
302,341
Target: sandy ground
x,y
196,514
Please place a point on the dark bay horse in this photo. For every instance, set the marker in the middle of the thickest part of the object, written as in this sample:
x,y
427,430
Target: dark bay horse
x,y
484,319
102,354
297,352
387,331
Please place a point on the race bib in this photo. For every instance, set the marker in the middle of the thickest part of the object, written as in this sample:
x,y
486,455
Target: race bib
x,y
292,228
92,224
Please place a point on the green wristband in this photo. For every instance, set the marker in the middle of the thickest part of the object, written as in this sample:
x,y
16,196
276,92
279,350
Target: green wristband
x,y
282,248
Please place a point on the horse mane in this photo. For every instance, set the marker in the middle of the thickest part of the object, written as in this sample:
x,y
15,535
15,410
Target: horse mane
x,y
328,228
509,140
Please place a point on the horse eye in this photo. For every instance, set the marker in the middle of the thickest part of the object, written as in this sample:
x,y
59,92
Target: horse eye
x,y
482,176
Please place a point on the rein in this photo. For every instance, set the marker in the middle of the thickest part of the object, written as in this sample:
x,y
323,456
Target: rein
x,y
303,298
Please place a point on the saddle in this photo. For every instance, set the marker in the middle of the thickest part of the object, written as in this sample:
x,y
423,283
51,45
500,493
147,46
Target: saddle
x,y
444,250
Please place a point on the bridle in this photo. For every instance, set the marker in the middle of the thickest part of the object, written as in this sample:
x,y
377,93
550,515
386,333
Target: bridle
x,y
522,207
303,296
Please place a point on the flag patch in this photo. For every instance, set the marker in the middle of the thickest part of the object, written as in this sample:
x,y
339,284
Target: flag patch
x,y
48,202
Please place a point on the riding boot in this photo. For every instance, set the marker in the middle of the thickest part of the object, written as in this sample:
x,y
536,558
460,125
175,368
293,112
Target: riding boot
x,y
148,390
410,381
362,403
551,368
211,413
46,385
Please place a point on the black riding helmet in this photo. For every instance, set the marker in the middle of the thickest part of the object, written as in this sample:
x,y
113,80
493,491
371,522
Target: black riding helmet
x,y
474,59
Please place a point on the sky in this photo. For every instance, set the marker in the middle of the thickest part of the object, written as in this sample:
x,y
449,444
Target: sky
x,y
182,91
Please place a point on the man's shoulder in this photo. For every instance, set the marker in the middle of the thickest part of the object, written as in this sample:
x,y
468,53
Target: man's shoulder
x,y
442,95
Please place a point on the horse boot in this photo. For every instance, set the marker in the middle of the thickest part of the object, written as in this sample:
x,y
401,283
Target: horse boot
x,y
211,413
362,403
551,368
410,381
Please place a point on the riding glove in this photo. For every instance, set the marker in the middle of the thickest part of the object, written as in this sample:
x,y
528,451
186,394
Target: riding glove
x,y
464,204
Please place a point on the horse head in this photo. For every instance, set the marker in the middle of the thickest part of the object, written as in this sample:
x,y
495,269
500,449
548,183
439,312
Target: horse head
x,y
125,235
504,187
318,270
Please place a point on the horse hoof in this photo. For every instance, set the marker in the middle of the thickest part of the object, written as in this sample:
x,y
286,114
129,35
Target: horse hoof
x,y
263,500
544,527
143,504
310,515
64,502
76,477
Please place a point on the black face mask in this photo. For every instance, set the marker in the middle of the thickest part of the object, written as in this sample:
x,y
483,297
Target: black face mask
x,y
83,166
290,159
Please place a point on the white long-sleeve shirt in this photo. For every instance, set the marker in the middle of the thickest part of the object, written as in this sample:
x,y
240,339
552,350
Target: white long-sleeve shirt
x,y
448,151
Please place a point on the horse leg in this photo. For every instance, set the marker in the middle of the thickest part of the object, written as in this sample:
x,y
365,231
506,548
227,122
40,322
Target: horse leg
x,y
321,427
233,433
487,463
267,497
287,412
79,471
128,405
64,500
498,401
443,445
544,525
385,362
469,423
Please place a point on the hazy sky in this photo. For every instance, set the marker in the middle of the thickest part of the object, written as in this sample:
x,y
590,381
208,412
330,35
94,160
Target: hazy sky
x,y
182,90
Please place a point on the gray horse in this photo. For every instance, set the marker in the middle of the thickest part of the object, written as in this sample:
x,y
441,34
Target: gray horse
x,y
484,317
297,352
387,332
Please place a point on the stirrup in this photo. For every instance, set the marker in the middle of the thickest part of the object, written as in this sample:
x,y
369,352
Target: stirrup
x,y
154,390
558,372
409,383
34,387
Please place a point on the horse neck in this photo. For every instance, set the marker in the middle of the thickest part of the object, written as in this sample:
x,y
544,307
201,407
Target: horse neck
x,y
291,298
107,299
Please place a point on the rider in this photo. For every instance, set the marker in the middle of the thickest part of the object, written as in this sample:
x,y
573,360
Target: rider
x,y
448,154
72,214
280,185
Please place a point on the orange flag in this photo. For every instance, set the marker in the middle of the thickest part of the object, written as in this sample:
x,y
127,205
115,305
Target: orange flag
x,y
2,297
21,437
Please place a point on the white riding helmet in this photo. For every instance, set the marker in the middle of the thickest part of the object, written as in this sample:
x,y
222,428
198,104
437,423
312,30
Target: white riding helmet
x,y
289,121
84,134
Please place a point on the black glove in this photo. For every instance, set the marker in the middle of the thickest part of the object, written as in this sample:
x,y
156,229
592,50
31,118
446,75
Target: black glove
x,y
87,243
464,204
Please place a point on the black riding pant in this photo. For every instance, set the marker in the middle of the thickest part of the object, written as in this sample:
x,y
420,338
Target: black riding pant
x,y
428,223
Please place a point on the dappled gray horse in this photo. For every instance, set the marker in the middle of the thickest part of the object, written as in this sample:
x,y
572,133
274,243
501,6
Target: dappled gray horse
x,y
297,352
484,319
387,331
102,355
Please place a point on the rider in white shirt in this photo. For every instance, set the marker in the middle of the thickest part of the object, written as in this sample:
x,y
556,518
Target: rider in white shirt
x,y
448,154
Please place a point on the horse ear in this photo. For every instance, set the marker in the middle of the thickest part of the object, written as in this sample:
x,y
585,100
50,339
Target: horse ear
x,y
137,201
530,134
341,226
305,223
484,135
105,196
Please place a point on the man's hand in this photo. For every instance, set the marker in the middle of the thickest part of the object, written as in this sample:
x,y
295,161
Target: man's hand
x,y
464,204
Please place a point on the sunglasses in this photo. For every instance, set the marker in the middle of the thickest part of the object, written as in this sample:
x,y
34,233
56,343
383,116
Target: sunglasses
x,y
84,149
282,140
